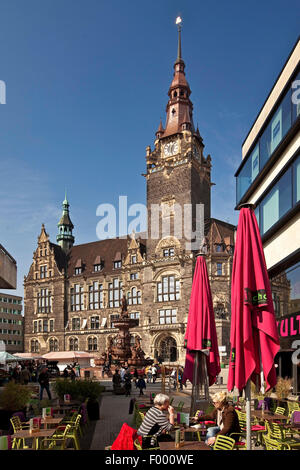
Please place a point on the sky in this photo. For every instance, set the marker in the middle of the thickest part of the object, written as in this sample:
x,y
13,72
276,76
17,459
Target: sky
x,y
86,86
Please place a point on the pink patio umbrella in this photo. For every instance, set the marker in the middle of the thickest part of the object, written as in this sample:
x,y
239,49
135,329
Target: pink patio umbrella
x,y
253,336
201,328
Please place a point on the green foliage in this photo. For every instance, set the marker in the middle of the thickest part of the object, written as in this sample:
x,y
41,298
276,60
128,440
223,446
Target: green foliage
x,y
78,389
14,396
283,388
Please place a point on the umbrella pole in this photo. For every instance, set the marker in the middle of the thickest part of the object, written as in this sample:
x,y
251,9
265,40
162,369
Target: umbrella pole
x,y
248,414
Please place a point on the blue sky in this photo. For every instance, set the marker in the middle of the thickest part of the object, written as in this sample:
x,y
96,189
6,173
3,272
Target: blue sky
x,y
87,84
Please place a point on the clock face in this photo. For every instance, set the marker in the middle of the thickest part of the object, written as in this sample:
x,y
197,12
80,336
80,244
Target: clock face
x,y
171,149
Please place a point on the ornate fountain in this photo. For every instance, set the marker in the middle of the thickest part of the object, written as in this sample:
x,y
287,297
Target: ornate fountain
x,y
120,350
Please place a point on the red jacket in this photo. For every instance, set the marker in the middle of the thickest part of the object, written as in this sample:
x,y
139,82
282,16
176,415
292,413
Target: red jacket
x,y
125,439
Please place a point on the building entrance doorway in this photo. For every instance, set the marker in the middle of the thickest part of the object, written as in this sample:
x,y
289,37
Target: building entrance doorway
x,y
167,349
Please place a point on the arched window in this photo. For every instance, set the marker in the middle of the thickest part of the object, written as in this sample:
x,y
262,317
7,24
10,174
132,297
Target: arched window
x,y
92,344
134,296
73,344
34,346
53,344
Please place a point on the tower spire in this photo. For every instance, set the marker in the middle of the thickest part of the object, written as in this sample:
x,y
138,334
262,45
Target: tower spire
x,y
178,22
179,107
65,237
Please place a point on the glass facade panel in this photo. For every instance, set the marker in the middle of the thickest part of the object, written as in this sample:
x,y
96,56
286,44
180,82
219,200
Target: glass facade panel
x,y
277,202
296,97
283,118
296,182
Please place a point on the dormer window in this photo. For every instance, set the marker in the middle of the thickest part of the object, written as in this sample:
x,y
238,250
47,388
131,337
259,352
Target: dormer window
x,y
78,267
133,259
97,264
219,248
118,261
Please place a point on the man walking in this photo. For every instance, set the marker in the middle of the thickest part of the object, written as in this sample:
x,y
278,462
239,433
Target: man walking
x,y
44,383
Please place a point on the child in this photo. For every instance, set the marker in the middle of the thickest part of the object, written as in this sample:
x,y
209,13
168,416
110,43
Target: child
x,y
141,384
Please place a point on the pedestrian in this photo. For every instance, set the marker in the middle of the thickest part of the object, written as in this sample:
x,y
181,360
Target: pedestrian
x,y
127,380
66,372
136,374
77,368
180,377
44,383
16,375
24,375
141,384
72,373
149,375
122,373
174,378
116,381
154,374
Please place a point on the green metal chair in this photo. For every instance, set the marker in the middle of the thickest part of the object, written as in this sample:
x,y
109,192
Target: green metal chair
x,y
56,442
279,410
72,434
138,446
224,443
179,406
18,426
277,433
273,444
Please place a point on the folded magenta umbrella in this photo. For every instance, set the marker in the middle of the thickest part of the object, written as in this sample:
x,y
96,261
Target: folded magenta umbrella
x,y
201,328
253,336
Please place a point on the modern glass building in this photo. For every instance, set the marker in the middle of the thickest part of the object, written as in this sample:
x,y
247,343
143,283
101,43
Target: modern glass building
x,y
269,178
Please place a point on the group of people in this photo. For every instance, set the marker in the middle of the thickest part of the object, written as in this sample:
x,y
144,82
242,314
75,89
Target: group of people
x,y
177,376
151,373
159,420
71,371
23,374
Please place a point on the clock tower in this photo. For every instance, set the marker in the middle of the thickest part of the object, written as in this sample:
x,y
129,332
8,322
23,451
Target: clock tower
x,y
178,174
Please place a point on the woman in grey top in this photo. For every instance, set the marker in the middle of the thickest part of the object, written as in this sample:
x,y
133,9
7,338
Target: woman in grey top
x,y
156,423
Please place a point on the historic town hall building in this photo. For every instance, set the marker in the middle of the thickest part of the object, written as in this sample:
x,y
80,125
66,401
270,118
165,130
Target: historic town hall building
x,y
73,292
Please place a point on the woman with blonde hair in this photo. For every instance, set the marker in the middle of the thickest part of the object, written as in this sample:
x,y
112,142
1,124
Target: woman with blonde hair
x,y
225,417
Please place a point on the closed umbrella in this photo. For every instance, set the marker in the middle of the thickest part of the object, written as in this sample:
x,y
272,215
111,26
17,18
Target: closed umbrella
x,y
253,336
201,332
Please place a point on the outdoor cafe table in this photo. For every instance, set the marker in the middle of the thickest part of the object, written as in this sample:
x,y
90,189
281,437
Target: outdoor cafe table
x,y
26,434
268,416
188,445
48,421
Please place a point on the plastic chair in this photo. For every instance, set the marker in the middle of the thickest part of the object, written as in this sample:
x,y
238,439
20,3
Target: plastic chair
x,y
72,433
56,443
138,446
17,425
224,443
278,433
179,406
279,410
272,444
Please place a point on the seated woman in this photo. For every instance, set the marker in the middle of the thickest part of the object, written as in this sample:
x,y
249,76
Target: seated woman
x,y
224,415
156,423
